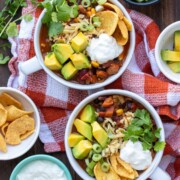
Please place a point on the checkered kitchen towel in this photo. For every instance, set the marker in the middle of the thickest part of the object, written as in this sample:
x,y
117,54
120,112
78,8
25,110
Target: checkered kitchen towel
x,y
55,101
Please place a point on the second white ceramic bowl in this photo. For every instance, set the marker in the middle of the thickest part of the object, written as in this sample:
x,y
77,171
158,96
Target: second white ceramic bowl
x,y
154,166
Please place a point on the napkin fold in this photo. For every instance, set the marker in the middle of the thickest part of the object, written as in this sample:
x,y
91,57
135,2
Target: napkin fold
x,y
143,77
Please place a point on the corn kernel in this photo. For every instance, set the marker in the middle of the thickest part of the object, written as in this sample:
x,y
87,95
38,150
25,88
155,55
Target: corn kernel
x,y
88,13
93,11
95,64
119,112
76,20
89,8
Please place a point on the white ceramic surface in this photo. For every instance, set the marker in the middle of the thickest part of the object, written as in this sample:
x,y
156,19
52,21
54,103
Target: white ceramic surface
x,y
166,41
37,62
152,169
28,105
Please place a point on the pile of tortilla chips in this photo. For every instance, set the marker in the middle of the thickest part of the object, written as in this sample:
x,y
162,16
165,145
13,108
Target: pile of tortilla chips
x,y
15,123
119,170
113,22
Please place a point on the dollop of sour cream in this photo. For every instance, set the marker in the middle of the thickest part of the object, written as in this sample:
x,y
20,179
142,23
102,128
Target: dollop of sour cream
x,y
134,154
41,170
103,48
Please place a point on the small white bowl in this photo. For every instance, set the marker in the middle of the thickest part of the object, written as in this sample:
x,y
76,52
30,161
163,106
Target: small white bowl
x,y
28,105
154,171
166,41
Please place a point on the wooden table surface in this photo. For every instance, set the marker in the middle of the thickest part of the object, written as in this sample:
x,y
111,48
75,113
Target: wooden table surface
x,y
164,13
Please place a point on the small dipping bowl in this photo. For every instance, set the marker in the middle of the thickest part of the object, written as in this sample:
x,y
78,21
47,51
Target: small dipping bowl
x,y
147,3
166,41
30,159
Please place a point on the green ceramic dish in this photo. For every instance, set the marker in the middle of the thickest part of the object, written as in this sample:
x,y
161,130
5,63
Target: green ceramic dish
x,y
28,160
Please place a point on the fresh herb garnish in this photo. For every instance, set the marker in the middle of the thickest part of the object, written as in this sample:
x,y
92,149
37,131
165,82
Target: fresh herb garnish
x,y
142,129
58,12
4,59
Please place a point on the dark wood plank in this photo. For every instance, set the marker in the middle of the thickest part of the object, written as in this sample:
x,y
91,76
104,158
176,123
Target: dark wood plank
x,y
164,13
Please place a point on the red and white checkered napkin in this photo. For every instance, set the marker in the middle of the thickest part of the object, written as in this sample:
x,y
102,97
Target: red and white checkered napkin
x,y
55,101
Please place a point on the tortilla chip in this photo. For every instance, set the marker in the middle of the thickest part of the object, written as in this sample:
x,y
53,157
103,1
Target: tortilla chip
x,y
119,38
115,8
24,136
19,127
127,166
1,106
123,29
6,100
119,169
13,112
4,128
101,175
128,23
3,146
3,116
109,21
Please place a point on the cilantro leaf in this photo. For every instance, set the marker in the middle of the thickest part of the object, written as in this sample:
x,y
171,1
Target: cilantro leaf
x,y
55,28
12,30
4,60
46,18
142,129
146,145
159,146
54,17
74,11
63,16
157,132
28,17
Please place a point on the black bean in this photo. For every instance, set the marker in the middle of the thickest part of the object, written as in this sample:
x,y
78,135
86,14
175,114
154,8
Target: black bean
x,y
100,119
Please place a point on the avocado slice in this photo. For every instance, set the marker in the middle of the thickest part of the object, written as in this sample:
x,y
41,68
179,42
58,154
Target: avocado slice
x,y
168,55
177,40
51,62
62,52
68,71
83,128
99,134
82,149
74,139
175,67
79,42
88,114
80,61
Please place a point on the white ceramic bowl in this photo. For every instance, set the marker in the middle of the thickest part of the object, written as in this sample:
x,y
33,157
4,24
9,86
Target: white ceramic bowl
x,y
166,41
37,63
152,170
28,105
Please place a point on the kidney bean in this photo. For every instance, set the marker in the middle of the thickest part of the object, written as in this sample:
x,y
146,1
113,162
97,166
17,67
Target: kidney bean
x,y
112,69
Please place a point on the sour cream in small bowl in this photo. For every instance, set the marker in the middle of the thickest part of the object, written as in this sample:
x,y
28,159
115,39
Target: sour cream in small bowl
x,y
41,167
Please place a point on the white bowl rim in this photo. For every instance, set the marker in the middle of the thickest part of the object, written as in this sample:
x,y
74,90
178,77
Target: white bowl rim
x,y
91,86
37,121
90,98
157,50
